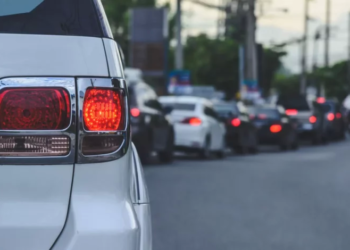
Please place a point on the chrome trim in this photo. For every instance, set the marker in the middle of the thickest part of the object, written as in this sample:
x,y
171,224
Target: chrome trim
x,y
119,84
70,131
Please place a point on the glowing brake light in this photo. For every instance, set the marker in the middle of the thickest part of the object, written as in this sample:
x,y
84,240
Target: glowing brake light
x,y
193,121
330,117
262,116
34,109
102,110
291,112
321,100
236,122
276,128
313,119
135,112
338,115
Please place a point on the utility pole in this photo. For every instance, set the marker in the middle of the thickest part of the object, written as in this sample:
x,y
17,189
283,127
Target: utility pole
x,y
304,50
179,47
327,33
250,45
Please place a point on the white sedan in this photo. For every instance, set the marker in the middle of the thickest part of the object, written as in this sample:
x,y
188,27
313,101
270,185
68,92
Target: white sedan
x,y
197,126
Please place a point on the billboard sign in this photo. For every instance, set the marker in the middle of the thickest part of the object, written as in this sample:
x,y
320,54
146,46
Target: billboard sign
x,y
179,82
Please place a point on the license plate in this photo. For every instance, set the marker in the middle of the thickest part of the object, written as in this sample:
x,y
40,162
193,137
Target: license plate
x,y
307,126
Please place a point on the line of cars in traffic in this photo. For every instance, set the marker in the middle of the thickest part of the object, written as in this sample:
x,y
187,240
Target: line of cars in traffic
x,y
196,125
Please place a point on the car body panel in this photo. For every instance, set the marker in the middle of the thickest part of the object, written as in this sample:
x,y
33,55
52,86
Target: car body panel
x,y
101,212
33,204
113,58
48,55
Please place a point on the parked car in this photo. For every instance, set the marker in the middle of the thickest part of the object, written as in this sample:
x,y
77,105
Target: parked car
x,y
198,127
312,125
151,129
336,126
70,177
241,133
275,127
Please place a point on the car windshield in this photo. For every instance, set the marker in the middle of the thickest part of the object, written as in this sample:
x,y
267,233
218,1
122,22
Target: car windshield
x,y
50,17
294,102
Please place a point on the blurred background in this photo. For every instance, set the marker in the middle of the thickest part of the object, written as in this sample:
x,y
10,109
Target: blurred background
x,y
252,47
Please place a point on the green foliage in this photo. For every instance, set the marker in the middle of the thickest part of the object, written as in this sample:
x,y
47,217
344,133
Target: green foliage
x,y
213,62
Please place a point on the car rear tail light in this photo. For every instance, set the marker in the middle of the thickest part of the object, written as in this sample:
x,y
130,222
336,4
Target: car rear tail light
x,y
338,115
313,119
34,109
34,146
276,128
102,110
262,116
291,112
330,117
236,122
321,100
193,121
135,112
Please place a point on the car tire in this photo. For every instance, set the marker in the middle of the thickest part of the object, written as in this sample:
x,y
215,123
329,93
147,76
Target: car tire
x,y
222,153
243,147
204,153
167,156
295,144
145,154
253,149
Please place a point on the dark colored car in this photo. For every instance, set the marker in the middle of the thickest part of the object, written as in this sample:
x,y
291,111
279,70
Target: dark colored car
x,y
336,126
240,131
275,127
151,130
309,116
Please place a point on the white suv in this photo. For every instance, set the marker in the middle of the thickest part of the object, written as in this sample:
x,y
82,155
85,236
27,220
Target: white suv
x,y
197,126
70,178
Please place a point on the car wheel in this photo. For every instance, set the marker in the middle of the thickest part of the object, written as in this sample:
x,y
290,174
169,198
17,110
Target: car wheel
x,y
295,144
145,154
318,138
167,156
254,144
243,147
222,153
205,151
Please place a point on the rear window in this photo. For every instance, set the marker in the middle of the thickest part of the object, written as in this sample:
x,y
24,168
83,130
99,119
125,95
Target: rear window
x,y
226,109
269,113
296,102
180,106
51,17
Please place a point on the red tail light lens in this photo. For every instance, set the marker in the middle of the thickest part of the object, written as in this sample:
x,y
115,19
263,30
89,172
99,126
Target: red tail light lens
x,y
338,115
276,128
262,116
236,122
135,112
313,119
193,121
102,110
330,117
291,112
34,109
321,100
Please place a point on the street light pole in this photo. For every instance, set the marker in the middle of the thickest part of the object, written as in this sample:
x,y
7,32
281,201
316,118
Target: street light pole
x,y
327,32
179,47
349,56
303,82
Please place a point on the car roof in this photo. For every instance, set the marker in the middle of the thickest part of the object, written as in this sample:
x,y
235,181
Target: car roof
x,y
185,99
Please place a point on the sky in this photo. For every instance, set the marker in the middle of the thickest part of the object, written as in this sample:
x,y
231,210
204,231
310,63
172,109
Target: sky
x,y
275,26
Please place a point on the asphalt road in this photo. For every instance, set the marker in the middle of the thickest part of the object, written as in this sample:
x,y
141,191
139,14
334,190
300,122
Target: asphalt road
x,y
293,200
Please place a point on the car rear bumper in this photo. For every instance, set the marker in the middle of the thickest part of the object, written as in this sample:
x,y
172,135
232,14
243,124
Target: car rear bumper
x,y
187,136
101,214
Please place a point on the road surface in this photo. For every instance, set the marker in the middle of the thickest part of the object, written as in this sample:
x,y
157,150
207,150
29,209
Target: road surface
x,y
270,201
